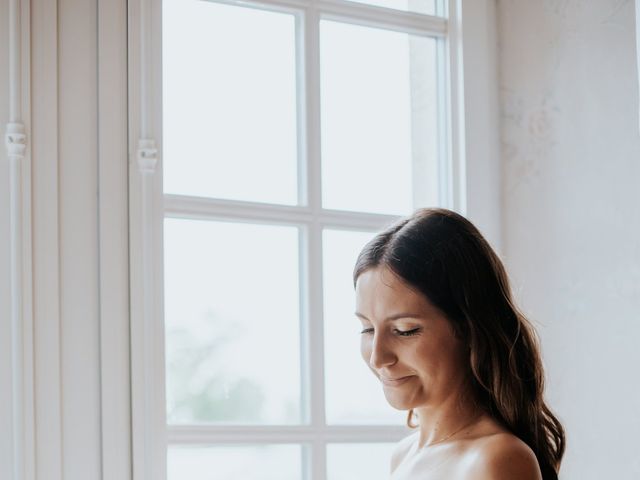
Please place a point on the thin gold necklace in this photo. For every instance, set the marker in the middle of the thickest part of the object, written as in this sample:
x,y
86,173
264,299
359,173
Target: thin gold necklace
x,y
451,434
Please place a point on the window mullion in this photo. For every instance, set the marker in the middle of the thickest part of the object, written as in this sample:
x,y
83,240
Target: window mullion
x,y
252,434
182,206
316,347
318,467
304,250
312,90
381,17
453,91
301,111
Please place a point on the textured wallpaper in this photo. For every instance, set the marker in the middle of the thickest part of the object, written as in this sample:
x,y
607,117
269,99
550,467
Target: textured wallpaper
x,y
571,215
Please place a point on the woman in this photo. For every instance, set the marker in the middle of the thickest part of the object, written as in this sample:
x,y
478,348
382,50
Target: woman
x,y
442,334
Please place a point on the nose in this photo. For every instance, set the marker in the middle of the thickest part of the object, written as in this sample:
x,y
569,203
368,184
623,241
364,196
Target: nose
x,y
381,355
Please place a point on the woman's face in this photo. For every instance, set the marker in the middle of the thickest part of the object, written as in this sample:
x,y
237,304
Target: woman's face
x,y
407,342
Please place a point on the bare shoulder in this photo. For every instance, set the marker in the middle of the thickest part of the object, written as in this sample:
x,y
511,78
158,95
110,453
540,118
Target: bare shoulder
x,y
401,450
502,456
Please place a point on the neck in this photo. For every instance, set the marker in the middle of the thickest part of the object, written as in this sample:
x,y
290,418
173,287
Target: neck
x,y
453,416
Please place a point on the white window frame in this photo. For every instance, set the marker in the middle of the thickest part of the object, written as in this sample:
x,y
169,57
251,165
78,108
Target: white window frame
x,y
148,207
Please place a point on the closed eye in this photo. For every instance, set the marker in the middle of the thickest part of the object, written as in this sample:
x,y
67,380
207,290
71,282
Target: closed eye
x,y
407,333
401,333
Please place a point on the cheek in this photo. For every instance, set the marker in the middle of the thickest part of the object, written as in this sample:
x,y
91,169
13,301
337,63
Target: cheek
x,y
365,348
438,359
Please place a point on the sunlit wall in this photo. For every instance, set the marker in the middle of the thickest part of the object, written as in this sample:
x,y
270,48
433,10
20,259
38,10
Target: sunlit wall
x,y
571,215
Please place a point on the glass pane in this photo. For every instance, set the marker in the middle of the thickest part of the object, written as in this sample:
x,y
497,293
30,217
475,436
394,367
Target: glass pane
x,y
260,462
349,461
229,102
427,7
232,329
379,120
353,394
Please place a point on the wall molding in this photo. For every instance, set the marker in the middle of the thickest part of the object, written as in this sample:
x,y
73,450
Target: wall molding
x,y
21,322
113,238
45,211
146,216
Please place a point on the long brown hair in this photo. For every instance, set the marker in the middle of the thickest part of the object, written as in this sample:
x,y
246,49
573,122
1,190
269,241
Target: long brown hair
x,y
445,257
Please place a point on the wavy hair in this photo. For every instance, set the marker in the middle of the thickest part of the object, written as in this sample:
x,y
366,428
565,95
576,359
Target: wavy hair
x,y
445,257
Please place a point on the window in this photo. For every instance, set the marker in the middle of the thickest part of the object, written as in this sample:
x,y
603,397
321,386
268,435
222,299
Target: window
x,y
292,130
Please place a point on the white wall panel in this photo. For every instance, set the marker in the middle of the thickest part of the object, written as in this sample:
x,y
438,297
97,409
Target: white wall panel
x,y
113,240
80,240
45,215
78,224
571,154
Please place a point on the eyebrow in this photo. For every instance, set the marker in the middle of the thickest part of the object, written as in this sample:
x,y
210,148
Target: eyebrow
x,y
393,317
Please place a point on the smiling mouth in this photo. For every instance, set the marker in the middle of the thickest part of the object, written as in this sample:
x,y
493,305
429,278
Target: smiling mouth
x,y
395,382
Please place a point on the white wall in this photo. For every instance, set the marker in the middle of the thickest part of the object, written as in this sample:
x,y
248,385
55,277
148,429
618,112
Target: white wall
x,y
571,215
482,127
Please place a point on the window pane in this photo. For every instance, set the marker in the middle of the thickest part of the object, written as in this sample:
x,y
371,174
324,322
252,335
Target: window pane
x,y
232,330
353,394
379,120
349,461
427,7
229,102
260,462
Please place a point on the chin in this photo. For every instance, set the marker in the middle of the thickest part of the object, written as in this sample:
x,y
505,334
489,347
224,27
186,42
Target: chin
x,y
399,403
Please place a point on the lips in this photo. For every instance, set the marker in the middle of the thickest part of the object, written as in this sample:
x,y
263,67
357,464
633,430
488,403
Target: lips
x,y
394,382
